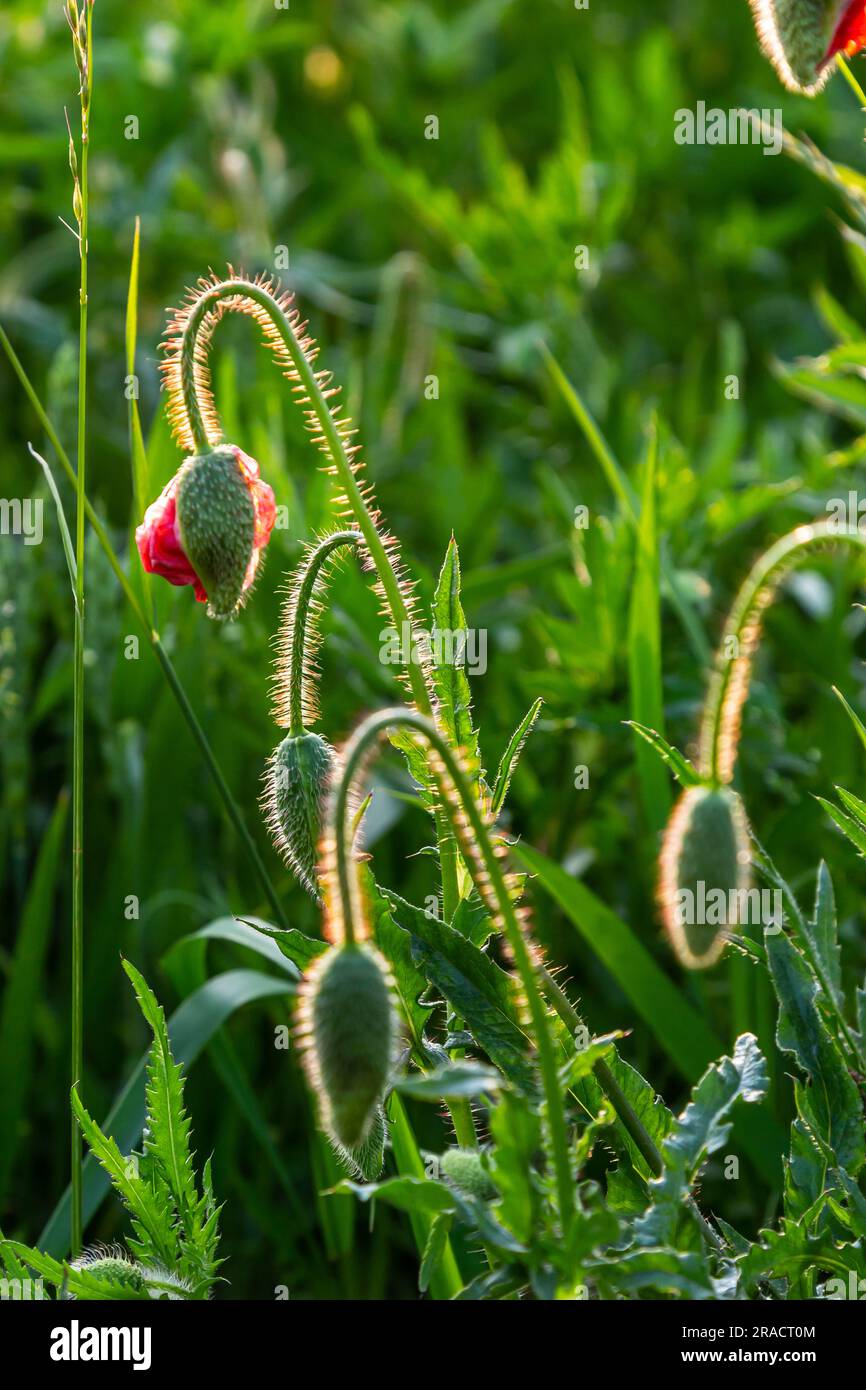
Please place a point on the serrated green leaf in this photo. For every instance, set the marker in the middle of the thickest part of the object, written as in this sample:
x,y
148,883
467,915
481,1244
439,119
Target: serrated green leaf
x,y
434,1249
701,1129
450,681
823,933
150,1219
847,824
476,988
685,773
168,1126
833,1100
510,758
461,1080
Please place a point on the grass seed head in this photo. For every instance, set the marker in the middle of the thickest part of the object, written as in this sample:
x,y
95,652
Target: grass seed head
x,y
296,780
705,853
347,1028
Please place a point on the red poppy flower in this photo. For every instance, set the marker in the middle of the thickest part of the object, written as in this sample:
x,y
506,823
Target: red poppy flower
x,y
850,34
209,526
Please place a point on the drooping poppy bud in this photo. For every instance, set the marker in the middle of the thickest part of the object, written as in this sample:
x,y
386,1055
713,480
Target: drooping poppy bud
x,y
296,780
346,1027
366,1159
209,526
704,874
801,37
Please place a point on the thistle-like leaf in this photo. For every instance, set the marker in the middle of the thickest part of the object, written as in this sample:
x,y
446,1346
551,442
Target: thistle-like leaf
x,y
168,1126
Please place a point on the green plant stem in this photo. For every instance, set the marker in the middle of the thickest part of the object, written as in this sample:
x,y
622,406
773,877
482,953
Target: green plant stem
x,y
487,874
161,654
240,289
852,81
77,967
291,676
720,724
605,1077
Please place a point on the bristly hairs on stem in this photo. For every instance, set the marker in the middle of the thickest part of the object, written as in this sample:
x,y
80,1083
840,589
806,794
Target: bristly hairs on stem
x,y
347,916
299,636
196,426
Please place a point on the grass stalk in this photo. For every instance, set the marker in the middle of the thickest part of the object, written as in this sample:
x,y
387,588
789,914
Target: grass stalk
x,y
82,30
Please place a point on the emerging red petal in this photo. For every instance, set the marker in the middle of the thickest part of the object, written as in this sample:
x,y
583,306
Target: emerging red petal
x,y
850,35
159,543
264,507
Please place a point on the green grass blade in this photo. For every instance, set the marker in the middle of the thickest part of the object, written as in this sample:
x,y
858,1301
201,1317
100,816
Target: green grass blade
x,y
138,453
446,1280
644,650
22,993
622,489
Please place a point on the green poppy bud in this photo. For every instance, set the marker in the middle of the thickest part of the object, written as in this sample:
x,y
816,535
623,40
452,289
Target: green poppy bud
x,y
704,873
347,1028
223,517
296,780
465,1170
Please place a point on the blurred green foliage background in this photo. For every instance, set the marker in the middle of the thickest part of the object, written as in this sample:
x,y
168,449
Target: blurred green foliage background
x,y
259,128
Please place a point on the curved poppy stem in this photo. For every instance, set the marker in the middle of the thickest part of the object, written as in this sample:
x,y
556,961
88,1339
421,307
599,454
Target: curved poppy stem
x,y
729,685
197,427
345,905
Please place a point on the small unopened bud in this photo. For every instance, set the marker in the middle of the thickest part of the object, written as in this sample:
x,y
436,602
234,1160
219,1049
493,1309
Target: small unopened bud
x,y
347,1030
465,1170
296,780
704,873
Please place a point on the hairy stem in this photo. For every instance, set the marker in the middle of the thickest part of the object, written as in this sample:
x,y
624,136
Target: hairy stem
x,y
344,896
299,641
729,686
312,393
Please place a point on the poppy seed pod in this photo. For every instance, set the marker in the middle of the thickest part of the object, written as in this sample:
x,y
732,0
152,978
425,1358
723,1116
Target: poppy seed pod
x,y
347,1031
704,873
801,37
208,528
296,779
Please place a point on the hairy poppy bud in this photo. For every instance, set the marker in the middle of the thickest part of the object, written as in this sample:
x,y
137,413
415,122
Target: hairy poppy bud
x,y
111,1262
209,526
704,873
464,1169
801,37
347,1031
366,1159
296,779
